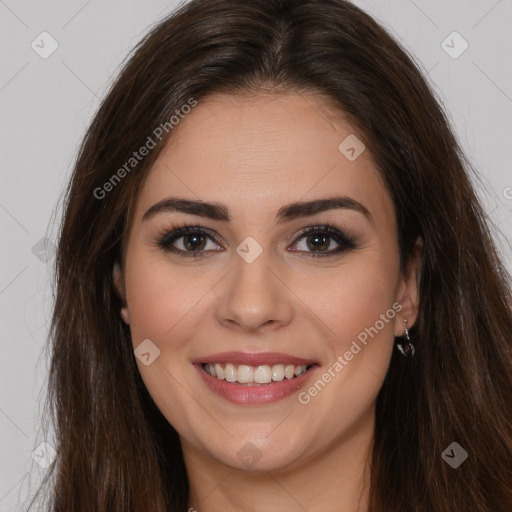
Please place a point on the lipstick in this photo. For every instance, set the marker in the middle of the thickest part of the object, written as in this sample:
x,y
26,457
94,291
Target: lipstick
x,y
254,378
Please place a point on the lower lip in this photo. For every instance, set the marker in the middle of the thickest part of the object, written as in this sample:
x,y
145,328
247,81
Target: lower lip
x,y
260,394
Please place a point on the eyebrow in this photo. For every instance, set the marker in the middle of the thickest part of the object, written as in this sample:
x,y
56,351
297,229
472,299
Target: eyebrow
x,y
217,211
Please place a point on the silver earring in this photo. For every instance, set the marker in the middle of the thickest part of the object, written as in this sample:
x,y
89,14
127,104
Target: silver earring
x,y
407,349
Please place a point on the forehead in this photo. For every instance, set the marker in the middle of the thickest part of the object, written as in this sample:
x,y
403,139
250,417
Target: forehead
x,y
256,152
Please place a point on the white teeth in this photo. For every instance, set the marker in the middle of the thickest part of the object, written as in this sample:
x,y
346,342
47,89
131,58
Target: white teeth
x,y
219,372
230,373
278,372
245,374
262,374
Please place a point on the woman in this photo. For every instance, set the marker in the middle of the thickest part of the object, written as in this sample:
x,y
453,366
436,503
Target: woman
x,y
275,285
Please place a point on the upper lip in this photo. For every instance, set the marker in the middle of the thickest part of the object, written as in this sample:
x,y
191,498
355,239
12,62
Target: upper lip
x,y
253,359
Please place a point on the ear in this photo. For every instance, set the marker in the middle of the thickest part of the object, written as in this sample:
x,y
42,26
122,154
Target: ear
x,y
118,278
408,290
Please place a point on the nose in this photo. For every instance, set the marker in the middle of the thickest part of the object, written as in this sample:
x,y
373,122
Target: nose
x,y
253,297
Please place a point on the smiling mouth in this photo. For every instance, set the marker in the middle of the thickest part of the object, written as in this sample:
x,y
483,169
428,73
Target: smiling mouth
x,y
255,375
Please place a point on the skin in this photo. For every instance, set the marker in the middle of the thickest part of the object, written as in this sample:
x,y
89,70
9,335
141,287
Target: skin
x,y
254,154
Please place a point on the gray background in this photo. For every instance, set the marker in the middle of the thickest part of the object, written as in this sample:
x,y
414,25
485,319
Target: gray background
x,y
47,103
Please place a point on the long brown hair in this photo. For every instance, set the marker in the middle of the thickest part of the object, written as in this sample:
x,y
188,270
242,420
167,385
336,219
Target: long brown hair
x,y
116,451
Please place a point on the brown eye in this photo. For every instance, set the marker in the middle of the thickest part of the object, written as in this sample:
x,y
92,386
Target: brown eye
x,y
319,239
194,242
318,242
188,241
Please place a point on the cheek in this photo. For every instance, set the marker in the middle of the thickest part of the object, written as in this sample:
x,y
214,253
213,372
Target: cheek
x,y
352,298
160,297
362,301
358,305
162,310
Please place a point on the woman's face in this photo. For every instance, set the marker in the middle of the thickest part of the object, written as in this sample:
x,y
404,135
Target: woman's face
x,y
255,296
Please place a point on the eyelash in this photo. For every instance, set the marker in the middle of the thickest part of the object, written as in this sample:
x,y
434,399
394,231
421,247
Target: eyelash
x,y
166,237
